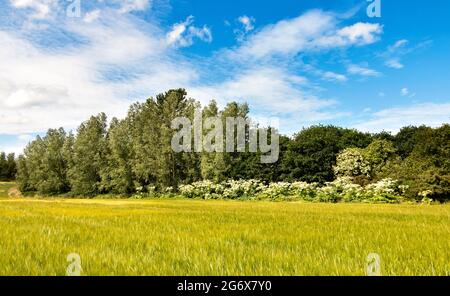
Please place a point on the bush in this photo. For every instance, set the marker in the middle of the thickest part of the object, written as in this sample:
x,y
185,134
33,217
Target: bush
x,y
386,190
340,190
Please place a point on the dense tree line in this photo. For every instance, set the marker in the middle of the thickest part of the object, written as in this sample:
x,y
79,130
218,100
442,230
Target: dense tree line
x,y
135,154
7,167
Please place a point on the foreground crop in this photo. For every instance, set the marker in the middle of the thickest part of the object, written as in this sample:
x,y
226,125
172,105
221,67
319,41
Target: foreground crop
x,y
193,237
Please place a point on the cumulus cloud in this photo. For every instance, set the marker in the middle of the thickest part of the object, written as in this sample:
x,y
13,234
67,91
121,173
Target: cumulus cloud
x,y
247,22
314,30
357,34
183,34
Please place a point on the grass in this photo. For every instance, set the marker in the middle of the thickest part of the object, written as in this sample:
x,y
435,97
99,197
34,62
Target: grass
x,y
193,237
4,188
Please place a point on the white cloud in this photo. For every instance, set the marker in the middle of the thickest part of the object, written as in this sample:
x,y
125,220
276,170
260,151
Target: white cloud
x,y
267,89
394,53
393,119
313,30
91,16
122,60
404,91
398,44
394,63
360,33
271,92
183,34
41,8
43,88
334,76
247,22
133,5
362,71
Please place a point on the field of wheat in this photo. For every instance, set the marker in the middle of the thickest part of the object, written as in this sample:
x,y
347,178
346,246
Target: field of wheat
x,y
194,237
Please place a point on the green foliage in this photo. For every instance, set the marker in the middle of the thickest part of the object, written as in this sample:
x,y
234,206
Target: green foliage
x,y
8,167
352,162
427,167
311,155
118,178
154,161
340,190
365,165
89,157
408,138
134,157
43,167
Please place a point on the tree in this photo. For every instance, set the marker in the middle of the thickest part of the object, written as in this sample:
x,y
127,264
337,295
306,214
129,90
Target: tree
x,y
11,166
212,164
351,162
155,161
7,167
311,155
232,163
118,177
365,165
89,157
53,168
407,139
378,154
43,167
23,176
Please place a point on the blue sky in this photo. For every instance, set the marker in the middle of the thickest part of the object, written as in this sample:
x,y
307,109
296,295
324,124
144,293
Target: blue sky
x,y
304,62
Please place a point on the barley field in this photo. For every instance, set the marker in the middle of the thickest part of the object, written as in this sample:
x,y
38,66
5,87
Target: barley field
x,y
194,237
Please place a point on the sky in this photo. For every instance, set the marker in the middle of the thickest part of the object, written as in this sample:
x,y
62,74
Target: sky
x,y
304,62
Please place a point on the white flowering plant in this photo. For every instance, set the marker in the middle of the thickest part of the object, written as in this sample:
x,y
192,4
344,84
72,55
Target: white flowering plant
x,y
340,190
386,191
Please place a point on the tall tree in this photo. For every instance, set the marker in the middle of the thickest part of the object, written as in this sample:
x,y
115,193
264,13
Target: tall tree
x,y
89,157
155,161
118,177
311,155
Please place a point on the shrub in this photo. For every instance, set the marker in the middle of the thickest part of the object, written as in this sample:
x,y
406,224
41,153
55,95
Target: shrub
x,y
243,189
386,190
304,190
340,190
277,191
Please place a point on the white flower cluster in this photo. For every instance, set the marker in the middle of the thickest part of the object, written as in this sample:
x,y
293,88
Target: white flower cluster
x,y
340,190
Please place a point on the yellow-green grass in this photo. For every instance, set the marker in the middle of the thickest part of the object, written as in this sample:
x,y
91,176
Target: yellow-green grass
x,y
190,237
5,187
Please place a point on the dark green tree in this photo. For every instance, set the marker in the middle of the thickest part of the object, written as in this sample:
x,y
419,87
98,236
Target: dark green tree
x,y
89,157
311,155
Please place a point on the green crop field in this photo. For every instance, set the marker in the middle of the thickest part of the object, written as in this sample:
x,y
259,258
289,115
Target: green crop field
x,y
193,237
